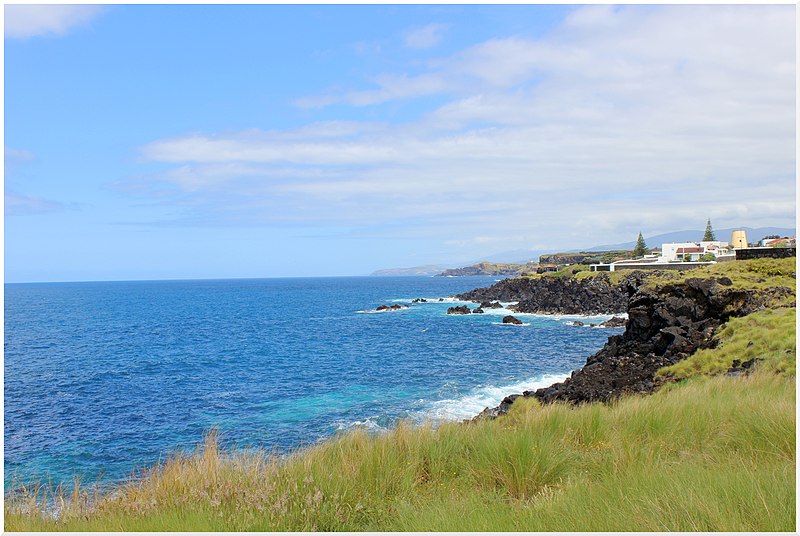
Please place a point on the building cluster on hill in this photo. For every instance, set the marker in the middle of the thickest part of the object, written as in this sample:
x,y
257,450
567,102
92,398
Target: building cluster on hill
x,y
684,255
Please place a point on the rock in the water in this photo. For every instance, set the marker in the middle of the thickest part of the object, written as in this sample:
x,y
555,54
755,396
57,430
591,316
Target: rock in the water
x,y
491,305
394,307
477,310
615,322
575,323
512,320
419,300
458,310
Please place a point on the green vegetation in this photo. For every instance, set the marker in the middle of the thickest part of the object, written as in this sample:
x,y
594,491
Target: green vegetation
x,y
767,335
640,250
715,455
709,235
586,257
491,268
772,277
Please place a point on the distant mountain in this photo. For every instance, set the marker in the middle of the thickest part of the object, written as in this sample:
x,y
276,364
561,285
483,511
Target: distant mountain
x,y
514,256
753,235
428,269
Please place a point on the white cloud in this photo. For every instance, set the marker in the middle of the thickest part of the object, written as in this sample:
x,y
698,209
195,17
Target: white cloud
x,y
634,117
425,36
20,204
14,157
29,20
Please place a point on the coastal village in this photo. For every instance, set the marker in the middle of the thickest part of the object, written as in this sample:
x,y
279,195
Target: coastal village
x,y
669,256
685,255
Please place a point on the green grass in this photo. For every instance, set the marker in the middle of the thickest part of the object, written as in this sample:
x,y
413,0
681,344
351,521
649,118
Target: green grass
x,y
714,455
765,275
769,335
757,274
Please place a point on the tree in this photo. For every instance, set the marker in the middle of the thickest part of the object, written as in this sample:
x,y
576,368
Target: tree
x,y
709,236
641,248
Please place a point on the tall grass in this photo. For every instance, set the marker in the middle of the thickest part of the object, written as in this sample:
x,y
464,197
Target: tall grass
x,y
769,336
715,455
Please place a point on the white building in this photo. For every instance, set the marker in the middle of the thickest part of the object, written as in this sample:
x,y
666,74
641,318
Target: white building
x,y
683,251
676,255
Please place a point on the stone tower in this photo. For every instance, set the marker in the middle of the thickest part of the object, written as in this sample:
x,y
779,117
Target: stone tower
x,y
739,239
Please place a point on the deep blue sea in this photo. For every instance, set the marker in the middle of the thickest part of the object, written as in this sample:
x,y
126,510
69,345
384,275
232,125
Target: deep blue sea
x,y
102,379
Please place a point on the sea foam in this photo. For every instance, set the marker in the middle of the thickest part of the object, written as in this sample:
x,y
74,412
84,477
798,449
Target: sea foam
x,y
479,398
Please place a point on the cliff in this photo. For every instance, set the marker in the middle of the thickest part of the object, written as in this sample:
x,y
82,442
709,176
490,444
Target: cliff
x,y
584,257
490,268
670,317
562,295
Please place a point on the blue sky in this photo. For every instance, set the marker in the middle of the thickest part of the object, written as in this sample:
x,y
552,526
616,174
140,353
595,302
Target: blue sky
x,y
150,142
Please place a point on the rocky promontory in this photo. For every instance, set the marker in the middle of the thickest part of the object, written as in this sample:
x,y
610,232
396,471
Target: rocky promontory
x,y
490,268
667,322
561,295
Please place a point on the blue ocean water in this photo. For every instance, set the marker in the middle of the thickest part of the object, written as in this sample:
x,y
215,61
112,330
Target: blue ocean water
x,y
102,379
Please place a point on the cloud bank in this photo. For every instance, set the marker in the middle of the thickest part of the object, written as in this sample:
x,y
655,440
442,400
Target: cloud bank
x,y
619,120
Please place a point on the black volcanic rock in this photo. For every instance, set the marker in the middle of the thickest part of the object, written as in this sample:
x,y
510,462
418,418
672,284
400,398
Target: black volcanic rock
x,y
491,413
665,325
458,310
614,322
394,307
562,295
477,310
491,305
511,320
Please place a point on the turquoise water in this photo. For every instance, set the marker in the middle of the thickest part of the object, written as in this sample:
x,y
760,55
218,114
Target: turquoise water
x,y
102,379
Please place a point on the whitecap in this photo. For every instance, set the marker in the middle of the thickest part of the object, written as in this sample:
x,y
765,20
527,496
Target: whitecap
x,y
489,396
370,424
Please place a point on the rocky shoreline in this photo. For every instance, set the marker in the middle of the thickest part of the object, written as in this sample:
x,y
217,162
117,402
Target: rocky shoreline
x,y
666,324
561,295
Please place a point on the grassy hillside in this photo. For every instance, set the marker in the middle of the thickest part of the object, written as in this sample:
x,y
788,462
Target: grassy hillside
x,y
768,337
490,269
714,455
758,274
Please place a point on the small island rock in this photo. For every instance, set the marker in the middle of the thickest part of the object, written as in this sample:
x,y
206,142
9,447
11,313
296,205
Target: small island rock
x,y
615,322
458,310
394,307
512,320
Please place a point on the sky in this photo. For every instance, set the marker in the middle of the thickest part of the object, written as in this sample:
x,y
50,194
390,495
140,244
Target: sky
x,y
202,141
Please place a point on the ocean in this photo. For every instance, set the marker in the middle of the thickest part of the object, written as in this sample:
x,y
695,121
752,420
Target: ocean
x,y
103,379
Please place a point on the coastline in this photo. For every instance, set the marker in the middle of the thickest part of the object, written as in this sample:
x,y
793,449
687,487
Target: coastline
x,y
669,317
466,461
